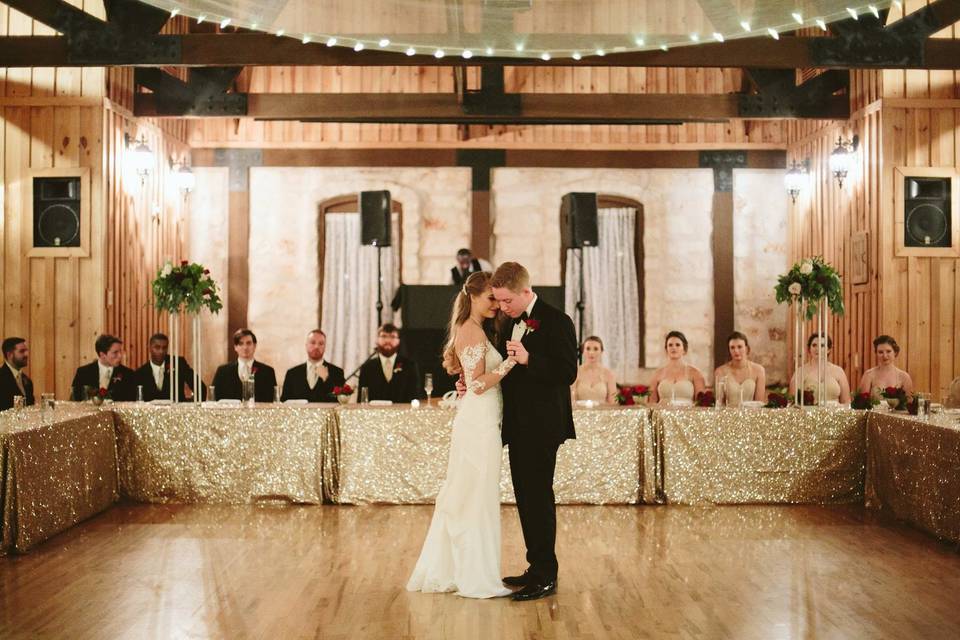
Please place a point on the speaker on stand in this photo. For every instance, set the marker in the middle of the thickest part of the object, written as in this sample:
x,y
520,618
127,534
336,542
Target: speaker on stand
x,y
579,229
375,226
927,215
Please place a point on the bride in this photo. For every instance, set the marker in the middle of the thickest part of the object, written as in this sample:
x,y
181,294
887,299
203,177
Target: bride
x,y
462,550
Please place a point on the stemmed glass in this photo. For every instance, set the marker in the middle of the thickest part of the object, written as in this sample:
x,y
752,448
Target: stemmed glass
x,y
428,386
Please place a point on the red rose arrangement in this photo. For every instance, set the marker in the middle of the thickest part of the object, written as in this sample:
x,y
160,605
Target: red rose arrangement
x,y
706,399
627,395
809,399
345,390
895,393
864,400
776,401
102,392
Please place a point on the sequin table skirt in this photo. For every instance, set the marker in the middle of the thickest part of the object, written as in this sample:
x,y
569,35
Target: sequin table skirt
x,y
182,453
760,455
59,469
913,470
399,455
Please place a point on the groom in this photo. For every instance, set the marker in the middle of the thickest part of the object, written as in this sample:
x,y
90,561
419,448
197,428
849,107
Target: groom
x,y
537,416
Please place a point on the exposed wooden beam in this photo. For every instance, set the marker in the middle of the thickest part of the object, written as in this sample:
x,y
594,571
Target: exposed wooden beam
x,y
534,108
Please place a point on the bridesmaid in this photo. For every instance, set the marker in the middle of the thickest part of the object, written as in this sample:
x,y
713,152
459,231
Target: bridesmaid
x,y
743,379
886,374
836,388
594,381
676,380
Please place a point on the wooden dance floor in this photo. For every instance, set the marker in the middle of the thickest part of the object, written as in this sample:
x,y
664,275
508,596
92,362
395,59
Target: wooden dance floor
x,y
337,572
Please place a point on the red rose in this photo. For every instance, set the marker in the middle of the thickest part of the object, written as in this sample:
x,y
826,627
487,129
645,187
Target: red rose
x,y
102,392
207,292
641,390
184,263
532,323
628,400
206,272
892,390
864,395
253,371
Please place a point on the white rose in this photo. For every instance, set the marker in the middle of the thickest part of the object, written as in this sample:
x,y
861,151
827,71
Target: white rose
x,y
795,288
167,270
806,267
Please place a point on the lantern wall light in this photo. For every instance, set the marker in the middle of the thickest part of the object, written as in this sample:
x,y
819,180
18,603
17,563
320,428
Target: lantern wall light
x,y
797,178
842,159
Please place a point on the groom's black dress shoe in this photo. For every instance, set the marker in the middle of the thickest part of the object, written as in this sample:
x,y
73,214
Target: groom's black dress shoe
x,y
535,591
517,581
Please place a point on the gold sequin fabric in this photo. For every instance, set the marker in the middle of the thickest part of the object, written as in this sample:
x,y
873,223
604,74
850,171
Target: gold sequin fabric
x,y
913,470
761,455
182,453
59,468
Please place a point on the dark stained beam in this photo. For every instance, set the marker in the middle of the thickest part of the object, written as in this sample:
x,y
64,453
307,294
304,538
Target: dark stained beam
x,y
245,49
534,108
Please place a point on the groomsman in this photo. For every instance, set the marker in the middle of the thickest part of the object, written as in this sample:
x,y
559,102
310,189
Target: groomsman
x,y
13,381
154,375
106,372
314,379
227,381
466,265
389,375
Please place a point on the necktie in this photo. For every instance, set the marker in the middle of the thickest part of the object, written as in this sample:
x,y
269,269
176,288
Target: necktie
x,y
20,383
387,370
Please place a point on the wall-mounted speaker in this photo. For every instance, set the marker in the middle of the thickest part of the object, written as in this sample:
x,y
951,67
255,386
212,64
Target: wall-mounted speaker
x,y
578,220
926,209
56,212
375,218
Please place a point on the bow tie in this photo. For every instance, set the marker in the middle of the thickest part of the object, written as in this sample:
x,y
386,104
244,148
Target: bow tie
x,y
523,318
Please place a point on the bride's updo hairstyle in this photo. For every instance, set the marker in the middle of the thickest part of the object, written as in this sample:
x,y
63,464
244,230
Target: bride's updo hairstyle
x,y
475,285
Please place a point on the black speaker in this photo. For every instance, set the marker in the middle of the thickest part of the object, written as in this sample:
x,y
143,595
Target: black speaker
x,y
56,212
375,218
926,209
578,220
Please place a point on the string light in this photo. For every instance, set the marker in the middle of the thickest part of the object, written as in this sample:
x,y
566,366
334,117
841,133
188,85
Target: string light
x,y
411,51
280,32
224,22
358,46
255,25
489,51
383,43
438,53
773,33
853,13
576,55
873,10
331,41
305,39
467,54
174,12
718,36
745,25
798,17
201,19
601,52
545,56
640,41
821,24
519,47
695,37
664,47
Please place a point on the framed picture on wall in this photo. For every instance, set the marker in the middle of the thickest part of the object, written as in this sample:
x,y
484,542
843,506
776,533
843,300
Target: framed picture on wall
x,y
859,258
58,203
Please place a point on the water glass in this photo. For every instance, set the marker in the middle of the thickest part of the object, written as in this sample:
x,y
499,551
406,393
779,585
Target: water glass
x,y
364,395
139,394
47,402
211,396
19,402
721,392
276,393
428,386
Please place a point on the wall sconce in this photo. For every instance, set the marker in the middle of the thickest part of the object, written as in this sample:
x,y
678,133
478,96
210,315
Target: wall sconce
x,y
842,157
796,178
140,156
184,178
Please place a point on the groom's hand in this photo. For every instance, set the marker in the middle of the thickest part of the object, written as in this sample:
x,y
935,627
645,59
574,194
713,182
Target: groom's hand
x,y
518,352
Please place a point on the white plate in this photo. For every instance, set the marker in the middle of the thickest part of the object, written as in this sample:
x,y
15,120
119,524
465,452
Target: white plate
x,y
752,404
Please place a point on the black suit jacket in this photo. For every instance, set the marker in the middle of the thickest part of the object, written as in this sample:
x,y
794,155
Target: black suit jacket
x,y
459,278
536,397
123,385
404,386
144,378
295,384
9,388
228,385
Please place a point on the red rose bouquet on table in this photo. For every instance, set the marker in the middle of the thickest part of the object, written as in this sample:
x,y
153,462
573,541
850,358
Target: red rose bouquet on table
x,y
629,396
776,400
343,393
864,401
896,397
706,399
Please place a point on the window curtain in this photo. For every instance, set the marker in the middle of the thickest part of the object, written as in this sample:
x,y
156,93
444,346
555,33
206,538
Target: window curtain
x,y
611,291
350,289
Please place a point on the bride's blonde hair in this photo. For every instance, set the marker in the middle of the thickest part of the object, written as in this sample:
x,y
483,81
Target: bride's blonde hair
x,y
475,285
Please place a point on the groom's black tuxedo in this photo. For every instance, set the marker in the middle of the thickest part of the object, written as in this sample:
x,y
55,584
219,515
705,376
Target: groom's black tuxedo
x,y
296,386
145,379
537,418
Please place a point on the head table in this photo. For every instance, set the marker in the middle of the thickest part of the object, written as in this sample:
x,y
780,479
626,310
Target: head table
x,y
66,465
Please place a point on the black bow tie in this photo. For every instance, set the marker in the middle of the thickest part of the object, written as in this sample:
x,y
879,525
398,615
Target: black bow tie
x,y
523,318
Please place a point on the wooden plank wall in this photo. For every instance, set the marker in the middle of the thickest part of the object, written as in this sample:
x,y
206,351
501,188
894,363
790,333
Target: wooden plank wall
x,y
57,118
245,132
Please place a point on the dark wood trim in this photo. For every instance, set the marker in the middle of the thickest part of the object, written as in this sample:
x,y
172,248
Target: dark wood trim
x,y
238,262
724,320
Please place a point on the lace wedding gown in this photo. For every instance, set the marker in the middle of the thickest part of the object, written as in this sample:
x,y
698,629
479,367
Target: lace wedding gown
x,y
461,552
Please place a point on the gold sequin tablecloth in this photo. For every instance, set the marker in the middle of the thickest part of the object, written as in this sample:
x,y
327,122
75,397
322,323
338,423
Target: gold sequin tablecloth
x,y
913,470
399,455
222,455
58,469
747,456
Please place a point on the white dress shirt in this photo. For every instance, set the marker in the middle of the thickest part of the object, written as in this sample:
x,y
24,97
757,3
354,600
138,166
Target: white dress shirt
x,y
244,368
387,364
520,330
106,373
314,370
157,374
16,377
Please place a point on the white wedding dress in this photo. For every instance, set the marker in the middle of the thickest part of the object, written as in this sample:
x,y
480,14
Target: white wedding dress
x,y
461,552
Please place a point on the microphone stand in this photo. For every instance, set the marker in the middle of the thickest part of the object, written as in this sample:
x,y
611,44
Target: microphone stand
x,y
357,370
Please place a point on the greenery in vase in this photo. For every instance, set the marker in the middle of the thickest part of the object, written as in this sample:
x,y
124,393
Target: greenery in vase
x,y
187,287
811,280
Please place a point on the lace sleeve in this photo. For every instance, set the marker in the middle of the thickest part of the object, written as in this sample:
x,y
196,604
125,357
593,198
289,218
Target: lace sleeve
x,y
472,358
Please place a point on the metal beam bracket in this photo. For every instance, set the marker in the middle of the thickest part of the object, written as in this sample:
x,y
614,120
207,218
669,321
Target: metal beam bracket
x,y
204,95
779,97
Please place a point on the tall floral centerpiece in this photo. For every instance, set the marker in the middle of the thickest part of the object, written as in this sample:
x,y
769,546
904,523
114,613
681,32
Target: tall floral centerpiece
x,y
814,289
186,288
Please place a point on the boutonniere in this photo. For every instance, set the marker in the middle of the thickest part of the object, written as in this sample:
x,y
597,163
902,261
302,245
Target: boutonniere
x,y
117,378
253,371
398,368
532,324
